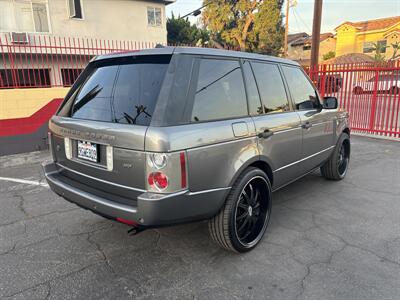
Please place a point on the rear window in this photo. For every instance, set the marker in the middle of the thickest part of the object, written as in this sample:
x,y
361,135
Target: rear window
x,y
120,91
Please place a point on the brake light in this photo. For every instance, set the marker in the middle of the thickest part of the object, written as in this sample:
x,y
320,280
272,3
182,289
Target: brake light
x,y
166,172
158,179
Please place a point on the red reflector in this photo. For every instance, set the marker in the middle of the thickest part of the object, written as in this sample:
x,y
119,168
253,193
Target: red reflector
x,y
127,222
183,169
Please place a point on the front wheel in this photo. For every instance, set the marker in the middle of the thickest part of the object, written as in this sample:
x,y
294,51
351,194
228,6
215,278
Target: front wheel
x,y
241,223
336,167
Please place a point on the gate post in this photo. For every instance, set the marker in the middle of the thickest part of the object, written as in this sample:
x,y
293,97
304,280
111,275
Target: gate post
x,y
374,103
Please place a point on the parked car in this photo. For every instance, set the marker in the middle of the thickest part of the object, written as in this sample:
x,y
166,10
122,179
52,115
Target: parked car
x,y
389,83
172,135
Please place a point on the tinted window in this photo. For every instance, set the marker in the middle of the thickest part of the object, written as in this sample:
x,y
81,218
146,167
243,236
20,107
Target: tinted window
x,y
253,97
303,93
270,85
121,93
220,91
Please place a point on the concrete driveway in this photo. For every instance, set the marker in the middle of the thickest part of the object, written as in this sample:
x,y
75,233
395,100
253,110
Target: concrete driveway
x,y
326,240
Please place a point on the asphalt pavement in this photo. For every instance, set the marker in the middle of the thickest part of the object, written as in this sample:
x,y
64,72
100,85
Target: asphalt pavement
x,y
326,240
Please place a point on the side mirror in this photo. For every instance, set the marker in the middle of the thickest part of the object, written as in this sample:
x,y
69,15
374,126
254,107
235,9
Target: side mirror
x,y
330,103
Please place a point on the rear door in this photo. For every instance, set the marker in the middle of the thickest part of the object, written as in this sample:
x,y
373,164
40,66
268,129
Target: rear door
x,y
277,125
317,123
98,134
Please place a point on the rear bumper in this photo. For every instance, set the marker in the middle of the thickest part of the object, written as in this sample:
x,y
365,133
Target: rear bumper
x,y
150,209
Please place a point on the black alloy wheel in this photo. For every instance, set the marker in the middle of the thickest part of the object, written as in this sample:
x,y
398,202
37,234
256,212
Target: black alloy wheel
x,y
242,221
251,212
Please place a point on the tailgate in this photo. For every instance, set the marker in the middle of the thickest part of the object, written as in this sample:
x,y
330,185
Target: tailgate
x,y
125,178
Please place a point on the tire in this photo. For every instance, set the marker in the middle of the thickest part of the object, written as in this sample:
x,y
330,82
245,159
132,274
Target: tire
x,y
358,90
394,90
337,165
229,228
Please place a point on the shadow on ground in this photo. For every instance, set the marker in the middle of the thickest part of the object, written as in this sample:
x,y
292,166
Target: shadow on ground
x,y
326,240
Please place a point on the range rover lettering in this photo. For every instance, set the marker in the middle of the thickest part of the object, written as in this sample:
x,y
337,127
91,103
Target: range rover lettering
x,y
172,135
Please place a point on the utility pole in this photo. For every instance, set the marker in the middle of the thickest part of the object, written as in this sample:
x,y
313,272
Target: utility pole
x,y
316,32
285,47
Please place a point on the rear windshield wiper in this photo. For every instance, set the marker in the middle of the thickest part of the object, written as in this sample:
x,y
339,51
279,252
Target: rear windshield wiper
x,y
139,110
86,98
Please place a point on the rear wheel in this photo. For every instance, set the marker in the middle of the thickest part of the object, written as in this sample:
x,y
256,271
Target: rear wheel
x,y
394,90
336,167
241,223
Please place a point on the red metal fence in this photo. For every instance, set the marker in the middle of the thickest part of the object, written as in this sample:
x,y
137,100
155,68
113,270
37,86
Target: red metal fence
x,y
371,93
48,61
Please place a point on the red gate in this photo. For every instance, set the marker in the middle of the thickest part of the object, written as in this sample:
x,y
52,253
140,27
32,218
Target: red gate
x,y
370,93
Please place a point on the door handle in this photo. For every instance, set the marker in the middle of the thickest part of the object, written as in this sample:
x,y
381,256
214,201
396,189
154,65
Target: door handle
x,y
306,125
265,134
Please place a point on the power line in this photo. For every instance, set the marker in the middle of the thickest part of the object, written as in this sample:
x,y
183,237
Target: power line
x,y
301,19
196,12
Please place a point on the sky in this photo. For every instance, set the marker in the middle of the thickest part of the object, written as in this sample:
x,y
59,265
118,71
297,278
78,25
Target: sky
x,y
334,12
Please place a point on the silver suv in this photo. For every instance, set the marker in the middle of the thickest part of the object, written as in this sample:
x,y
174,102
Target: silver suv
x,y
171,135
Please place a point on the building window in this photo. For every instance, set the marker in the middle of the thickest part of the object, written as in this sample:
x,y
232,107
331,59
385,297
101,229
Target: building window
x,y
381,45
368,47
75,9
25,78
24,16
154,16
69,76
306,47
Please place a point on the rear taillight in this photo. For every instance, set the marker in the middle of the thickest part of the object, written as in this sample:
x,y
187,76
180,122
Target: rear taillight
x,y
166,172
158,180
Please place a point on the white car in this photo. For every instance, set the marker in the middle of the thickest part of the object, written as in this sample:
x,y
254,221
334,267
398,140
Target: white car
x,y
386,83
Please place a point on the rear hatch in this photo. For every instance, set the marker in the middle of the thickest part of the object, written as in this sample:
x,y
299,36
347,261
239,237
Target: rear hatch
x,y
98,134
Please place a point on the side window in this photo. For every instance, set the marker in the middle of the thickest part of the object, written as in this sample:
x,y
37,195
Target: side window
x,y
75,9
255,107
303,94
271,87
220,91
154,16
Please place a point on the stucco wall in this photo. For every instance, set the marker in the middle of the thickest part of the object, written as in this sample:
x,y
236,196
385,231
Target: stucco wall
x,y
108,19
351,41
297,52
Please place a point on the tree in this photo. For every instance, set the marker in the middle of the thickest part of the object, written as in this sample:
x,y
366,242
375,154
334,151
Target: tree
x,y
396,48
329,55
180,31
379,49
249,25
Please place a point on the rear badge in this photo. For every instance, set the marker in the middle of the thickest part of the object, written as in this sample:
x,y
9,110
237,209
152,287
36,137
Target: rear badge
x,y
127,165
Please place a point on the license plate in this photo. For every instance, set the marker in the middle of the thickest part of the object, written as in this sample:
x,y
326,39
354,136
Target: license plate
x,y
87,151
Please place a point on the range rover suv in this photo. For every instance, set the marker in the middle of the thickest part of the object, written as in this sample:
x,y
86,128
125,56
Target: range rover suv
x,y
172,135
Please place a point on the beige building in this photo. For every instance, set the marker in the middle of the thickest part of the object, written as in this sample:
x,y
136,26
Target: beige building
x,y
299,49
133,20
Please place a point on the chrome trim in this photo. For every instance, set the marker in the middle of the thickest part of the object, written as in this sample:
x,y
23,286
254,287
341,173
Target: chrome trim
x,y
151,196
209,191
101,180
253,136
303,159
320,123
287,130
